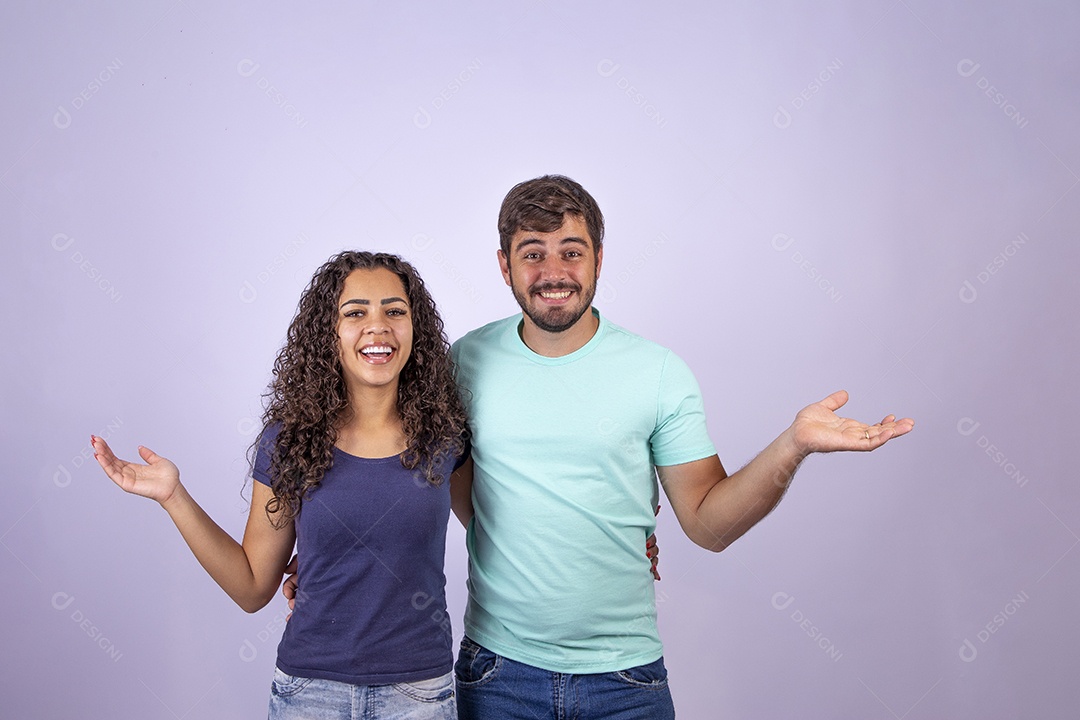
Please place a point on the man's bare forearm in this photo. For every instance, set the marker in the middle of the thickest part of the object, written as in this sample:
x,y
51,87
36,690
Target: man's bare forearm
x,y
715,508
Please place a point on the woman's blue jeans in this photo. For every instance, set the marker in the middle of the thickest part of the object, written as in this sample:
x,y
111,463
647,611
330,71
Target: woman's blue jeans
x,y
296,698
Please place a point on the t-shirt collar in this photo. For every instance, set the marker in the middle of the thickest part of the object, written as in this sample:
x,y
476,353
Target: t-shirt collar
x,y
517,342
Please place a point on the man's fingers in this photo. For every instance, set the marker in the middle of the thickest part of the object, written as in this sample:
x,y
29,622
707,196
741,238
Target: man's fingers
x,y
899,427
836,401
288,588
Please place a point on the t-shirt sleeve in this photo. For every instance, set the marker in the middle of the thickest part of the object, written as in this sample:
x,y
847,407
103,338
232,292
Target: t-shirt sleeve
x,y
264,454
680,435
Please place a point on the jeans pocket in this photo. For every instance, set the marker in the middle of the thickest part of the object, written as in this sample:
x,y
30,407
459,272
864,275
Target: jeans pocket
x,y
433,690
285,685
652,675
475,665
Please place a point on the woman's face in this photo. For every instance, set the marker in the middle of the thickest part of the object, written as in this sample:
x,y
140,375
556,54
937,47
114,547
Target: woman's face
x,y
375,330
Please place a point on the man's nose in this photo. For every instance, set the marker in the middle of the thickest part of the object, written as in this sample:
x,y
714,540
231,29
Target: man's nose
x,y
553,269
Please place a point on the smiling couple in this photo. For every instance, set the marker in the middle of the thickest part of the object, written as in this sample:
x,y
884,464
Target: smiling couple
x,y
553,449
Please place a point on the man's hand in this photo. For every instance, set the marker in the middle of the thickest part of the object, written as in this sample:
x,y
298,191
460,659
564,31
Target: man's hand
x,y
715,509
817,428
288,588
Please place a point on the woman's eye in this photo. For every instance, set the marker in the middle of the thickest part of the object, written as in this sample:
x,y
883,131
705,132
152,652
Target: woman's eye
x,y
395,311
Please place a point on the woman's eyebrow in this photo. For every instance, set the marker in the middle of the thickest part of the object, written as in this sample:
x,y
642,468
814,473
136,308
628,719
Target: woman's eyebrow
x,y
384,301
357,301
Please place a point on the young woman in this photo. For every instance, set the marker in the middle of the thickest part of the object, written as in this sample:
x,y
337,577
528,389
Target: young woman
x,y
362,432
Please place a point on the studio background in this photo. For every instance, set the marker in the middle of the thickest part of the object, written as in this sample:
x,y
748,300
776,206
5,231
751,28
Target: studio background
x,y
800,197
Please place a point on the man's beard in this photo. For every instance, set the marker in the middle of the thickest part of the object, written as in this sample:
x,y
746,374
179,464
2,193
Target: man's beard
x,y
557,319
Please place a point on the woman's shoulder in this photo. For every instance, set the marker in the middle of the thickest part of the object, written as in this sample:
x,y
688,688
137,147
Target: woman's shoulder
x,y
271,429
268,436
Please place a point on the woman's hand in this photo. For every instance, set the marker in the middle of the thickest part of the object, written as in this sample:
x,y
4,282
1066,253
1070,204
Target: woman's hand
x,y
157,480
652,551
250,572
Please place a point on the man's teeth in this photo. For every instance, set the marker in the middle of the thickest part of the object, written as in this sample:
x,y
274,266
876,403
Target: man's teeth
x,y
377,350
556,295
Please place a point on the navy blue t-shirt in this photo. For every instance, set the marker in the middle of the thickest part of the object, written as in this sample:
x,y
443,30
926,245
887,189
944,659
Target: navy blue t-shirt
x,y
371,605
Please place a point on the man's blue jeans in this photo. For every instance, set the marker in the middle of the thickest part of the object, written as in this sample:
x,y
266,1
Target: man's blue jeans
x,y
492,687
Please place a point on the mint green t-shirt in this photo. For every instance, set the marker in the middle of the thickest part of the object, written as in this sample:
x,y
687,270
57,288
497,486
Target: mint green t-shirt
x,y
564,489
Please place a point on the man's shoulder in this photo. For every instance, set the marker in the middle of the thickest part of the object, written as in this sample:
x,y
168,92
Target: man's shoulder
x,y
624,340
642,356
483,335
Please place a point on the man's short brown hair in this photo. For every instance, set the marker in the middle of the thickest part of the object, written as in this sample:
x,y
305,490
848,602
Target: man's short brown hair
x,y
541,204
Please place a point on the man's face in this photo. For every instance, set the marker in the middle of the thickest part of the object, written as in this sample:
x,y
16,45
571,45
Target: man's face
x,y
553,274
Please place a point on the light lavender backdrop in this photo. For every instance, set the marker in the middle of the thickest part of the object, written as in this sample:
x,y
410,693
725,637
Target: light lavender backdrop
x,y
879,196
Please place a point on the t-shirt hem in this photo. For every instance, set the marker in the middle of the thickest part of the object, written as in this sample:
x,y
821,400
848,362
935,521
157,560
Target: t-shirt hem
x,y
377,679
584,667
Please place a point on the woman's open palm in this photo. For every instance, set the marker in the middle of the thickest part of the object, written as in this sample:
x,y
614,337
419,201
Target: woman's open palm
x,y
157,479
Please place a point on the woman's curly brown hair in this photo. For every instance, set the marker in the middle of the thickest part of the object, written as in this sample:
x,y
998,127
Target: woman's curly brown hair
x,y
308,398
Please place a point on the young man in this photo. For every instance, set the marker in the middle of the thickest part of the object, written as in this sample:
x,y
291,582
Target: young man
x,y
573,418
